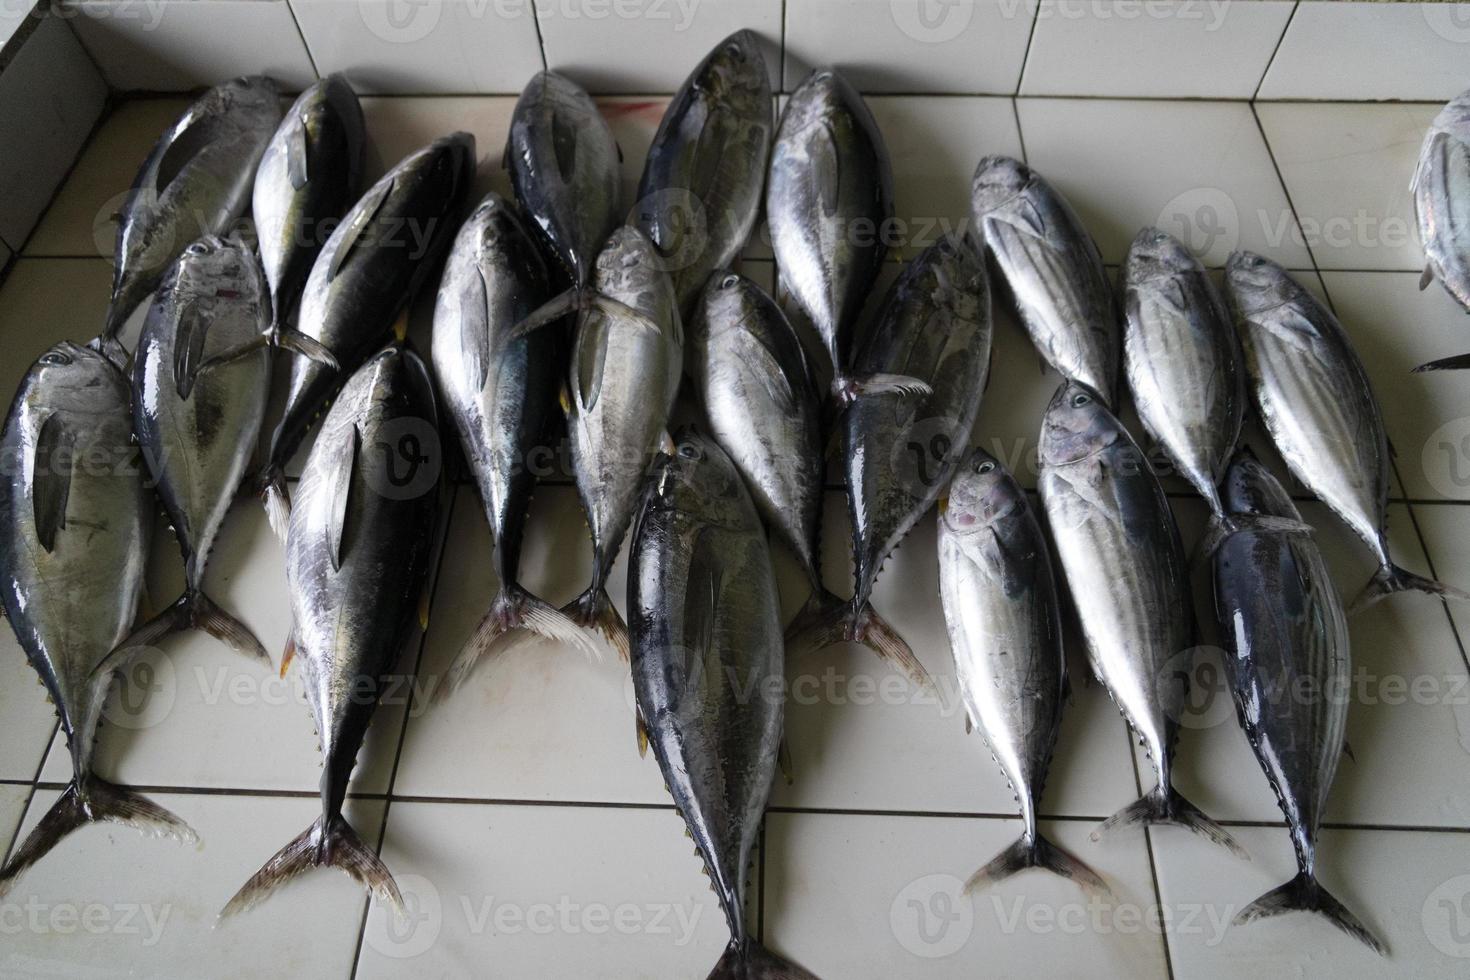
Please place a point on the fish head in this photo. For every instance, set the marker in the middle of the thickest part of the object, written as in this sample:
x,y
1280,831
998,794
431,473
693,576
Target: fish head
x,y
698,482
75,377
1250,488
822,94
982,493
1077,425
251,93
726,299
628,263
997,180
1157,254
734,74
1256,283
219,267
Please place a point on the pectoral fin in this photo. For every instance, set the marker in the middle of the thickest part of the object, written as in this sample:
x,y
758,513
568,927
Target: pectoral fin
x,y
51,479
343,484
296,156
358,222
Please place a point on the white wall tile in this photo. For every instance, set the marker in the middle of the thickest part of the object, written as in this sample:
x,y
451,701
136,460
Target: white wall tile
x,y
176,45
974,47
386,46
50,98
647,46
1161,49
1366,51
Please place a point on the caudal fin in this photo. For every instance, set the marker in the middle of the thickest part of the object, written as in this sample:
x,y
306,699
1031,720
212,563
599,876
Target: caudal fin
x,y
515,616
1037,852
749,960
338,846
1305,894
1391,578
826,619
192,610
593,610
276,499
93,801
1161,806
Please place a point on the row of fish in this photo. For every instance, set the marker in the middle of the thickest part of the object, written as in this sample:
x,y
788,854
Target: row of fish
x,y
556,293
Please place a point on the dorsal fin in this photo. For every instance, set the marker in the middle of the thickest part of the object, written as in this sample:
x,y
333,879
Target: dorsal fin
x,y
343,483
184,147
51,479
297,153
362,216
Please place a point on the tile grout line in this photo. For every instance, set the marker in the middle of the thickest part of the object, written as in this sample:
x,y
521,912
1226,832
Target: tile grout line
x,y
1153,873
1275,51
781,69
35,784
305,46
1286,192
418,659
1026,57
540,40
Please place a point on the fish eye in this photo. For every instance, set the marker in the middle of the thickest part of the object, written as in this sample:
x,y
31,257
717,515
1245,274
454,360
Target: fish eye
x,y
690,451
1080,399
734,50
198,248
55,357
730,281
985,467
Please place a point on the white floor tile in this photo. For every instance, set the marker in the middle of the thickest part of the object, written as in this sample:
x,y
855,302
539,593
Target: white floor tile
x,y
13,799
109,901
1198,170
30,720
908,46
1446,530
570,891
1347,168
850,895
44,301
1408,887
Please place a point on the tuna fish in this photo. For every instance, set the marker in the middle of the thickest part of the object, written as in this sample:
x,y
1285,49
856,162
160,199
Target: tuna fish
x,y
708,671
199,422
1005,630
196,182
1290,669
500,394
1313,397
310,175
701,189
1053,268
361,283
563,164
899,452
74,527
1441,189
357,563
1120,551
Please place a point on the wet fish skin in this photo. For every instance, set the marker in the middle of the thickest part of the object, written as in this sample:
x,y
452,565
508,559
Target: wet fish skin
x,y
320,146
75,524
900,452
708,668
1314,399
1182,360
1441,191
627,359
700,193
357,564
1289,664
198,422
364,278
1119,549
499,392
1053,269
828,201
196,181
1005,631
564,167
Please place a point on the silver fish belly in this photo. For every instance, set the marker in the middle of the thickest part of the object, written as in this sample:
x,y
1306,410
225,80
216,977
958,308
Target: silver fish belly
x,y
1053,269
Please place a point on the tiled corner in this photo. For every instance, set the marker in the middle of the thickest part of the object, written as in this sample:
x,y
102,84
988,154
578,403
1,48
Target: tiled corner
x,y
1395,328
911,45
1347,169
50,98
580,891
30,717
656,43
1174,49
1446,531
870,895
1371,52
43,301
1408,887
458,46
1198,170
107,895
177,45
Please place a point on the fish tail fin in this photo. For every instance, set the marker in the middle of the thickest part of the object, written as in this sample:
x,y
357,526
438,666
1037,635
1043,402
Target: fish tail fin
x,y
1457,363
825,620
92,801
1035,851
593,610
1163,805
515,616
206,614
277,499
749,960
192,610
327,843
1390,578
1305,894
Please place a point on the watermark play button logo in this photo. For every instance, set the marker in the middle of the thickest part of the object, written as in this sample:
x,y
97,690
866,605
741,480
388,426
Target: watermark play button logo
x,y
932,21
400,21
